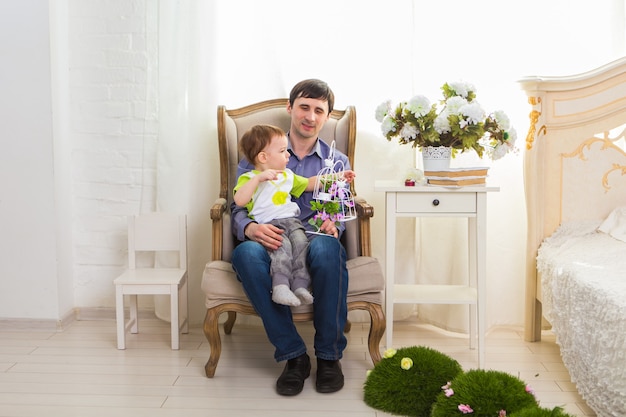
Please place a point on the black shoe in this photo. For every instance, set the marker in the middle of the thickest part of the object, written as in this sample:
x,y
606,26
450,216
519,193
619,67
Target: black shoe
x,y
329,376
291,381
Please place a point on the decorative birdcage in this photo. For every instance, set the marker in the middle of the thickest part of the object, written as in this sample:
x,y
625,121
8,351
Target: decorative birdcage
x,y
332,198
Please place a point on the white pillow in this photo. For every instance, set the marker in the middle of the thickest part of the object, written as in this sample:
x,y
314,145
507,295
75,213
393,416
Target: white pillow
x,y
615,224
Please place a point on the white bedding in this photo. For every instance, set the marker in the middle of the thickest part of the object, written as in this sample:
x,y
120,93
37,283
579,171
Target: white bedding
x,y
583,280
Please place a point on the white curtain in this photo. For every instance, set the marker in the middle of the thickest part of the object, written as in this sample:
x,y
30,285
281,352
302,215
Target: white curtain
x,y
235,52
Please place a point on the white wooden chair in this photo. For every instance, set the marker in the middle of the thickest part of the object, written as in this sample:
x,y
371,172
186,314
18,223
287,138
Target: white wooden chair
x,y
154,232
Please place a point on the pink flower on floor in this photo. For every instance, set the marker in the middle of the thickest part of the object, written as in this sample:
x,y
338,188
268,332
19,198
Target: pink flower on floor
x,y
530,390
447,390
465,409
502,413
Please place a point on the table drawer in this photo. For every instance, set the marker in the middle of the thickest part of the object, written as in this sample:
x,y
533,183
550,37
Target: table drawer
x,y
436,202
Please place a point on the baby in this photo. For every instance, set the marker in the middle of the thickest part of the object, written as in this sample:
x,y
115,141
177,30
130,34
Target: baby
x,y
266,192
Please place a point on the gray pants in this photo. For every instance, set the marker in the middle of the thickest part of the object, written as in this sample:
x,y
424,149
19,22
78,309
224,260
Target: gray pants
x,y
288,266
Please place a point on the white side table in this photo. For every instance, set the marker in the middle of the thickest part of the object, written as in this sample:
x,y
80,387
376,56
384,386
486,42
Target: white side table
x,y
433,201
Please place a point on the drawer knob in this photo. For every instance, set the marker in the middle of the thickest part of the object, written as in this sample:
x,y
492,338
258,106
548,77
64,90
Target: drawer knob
x,y
435,202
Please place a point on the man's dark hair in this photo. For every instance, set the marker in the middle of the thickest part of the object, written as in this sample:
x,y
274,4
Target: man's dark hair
x,y
313,88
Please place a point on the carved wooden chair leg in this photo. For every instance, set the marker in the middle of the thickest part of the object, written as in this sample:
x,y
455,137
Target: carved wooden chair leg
x,y
347,327
212,333
230,322
377,329
377,326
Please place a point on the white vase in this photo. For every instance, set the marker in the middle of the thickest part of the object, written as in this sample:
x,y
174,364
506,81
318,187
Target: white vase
x,y
436,158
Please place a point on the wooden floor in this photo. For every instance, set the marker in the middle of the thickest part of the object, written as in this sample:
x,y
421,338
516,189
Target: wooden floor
x,y
79,372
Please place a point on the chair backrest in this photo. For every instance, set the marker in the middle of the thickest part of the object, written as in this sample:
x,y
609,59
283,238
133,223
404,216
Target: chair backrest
x,y
233,123
157,232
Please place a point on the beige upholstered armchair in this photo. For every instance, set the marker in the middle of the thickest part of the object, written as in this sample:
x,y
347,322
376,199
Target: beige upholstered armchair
x,y
223,291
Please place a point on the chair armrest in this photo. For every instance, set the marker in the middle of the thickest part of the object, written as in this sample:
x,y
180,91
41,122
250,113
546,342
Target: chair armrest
x,y
364,212
363,209
217,216
218,208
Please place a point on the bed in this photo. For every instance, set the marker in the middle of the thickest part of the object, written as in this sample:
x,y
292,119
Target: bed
x,y
575,185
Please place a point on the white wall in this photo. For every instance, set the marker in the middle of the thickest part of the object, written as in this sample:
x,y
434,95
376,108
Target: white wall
x,y
79,106
78,132
28,247
113,124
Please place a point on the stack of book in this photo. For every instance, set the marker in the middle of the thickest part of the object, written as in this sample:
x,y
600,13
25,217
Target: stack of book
x,y
457,176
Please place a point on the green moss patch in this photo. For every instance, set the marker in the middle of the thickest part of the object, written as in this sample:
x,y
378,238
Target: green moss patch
x,y
408,382
483,393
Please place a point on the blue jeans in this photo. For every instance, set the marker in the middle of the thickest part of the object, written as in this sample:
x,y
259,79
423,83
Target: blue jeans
x,y
326,260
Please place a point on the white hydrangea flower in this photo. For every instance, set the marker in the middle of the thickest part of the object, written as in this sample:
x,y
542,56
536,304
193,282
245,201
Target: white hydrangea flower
x,y
418,105
473,112
499,151
453,104
512,137
388,125
441,123
409,132
461,88
383,110
502,119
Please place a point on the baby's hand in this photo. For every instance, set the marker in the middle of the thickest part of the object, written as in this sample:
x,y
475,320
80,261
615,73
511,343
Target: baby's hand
x,y
269,175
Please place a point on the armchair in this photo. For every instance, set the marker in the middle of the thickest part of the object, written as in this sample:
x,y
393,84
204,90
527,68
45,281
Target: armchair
x,y
224,293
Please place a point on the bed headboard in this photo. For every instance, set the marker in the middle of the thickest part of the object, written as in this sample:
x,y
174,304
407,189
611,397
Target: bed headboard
x,y
575,159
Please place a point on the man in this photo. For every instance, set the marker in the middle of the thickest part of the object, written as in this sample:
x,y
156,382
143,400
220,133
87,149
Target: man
x,y
310,104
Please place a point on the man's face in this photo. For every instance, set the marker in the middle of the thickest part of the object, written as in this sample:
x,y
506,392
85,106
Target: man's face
x,y
308,116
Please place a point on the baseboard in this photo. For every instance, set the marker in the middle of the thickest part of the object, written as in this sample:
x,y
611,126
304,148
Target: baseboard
x,y
76,314
44,325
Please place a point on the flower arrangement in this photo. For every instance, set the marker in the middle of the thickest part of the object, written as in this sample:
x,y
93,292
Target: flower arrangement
x,y
458,121
332,199
326,210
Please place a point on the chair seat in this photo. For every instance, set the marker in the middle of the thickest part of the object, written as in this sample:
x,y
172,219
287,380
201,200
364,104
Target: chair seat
x,y
220,283
151,276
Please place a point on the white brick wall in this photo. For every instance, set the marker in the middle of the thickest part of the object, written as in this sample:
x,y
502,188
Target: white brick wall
x,y
113,128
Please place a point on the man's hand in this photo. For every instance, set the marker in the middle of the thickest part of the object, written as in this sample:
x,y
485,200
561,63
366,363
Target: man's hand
x,y
329,228
348,175
267,235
